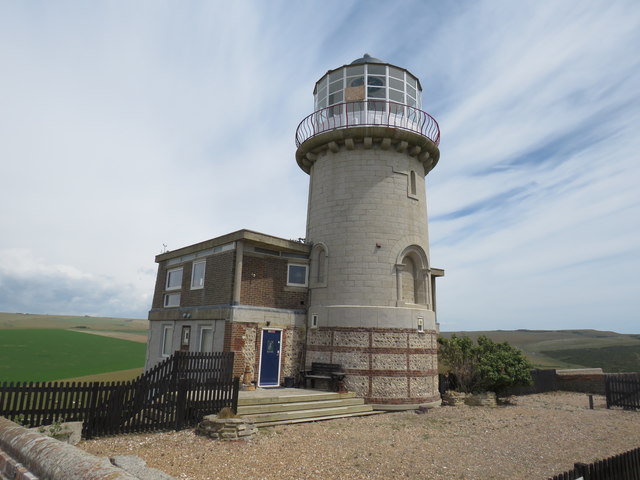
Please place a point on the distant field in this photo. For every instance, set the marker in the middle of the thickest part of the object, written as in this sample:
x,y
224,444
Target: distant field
x,y
117,376
30,320
53,354
613,352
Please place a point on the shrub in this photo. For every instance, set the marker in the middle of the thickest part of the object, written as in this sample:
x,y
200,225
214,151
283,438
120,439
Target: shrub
x,y
484,366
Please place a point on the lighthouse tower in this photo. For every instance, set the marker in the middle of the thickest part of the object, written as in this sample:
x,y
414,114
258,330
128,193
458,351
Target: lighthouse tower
x,y
367,148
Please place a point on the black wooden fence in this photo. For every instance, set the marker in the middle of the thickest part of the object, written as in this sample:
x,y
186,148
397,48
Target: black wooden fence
x,y
623,390
625,466
174,394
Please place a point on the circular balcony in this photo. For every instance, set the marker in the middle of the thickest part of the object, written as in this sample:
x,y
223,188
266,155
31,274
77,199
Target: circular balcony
x,y
379,113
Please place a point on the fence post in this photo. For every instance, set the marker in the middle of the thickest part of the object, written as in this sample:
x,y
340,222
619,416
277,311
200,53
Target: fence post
x,y
607,389
181,403
92,410
234,398
583,470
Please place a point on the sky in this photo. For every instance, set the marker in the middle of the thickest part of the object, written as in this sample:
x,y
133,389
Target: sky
x,y
128,126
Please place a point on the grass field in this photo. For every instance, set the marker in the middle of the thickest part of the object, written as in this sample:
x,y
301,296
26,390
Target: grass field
x,y
117,376
54,354
613,352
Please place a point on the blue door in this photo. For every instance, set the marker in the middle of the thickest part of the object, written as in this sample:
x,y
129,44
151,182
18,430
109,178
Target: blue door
x,y
270,359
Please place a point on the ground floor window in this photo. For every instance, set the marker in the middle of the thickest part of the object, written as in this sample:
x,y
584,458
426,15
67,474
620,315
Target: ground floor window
x,y
167,338
206,339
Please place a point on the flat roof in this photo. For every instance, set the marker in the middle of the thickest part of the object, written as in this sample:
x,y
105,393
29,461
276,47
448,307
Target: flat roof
x,y
256,238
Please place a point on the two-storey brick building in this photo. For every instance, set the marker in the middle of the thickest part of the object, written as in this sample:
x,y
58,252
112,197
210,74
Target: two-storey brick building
x,y
226,294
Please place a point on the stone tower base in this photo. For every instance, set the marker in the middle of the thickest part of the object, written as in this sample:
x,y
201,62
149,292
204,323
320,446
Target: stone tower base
x,y
391,366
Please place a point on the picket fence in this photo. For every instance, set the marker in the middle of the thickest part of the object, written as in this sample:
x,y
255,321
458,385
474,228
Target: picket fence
x,y
623,390
175,394
625,466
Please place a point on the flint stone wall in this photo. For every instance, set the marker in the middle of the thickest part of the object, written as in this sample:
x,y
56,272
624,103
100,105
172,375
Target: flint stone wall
x,y
226,428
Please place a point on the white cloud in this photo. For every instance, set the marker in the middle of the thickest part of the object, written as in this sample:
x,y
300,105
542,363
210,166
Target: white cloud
x,y
126,126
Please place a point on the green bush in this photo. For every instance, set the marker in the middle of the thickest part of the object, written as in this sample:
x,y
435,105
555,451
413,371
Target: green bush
x,y
484,366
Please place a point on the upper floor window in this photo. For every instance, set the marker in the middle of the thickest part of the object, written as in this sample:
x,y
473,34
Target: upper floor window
x,y
172,300
297,275
197,274
174,279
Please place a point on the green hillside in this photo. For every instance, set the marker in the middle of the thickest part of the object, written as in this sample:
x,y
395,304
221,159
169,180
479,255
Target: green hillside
x,y
44,355
613,352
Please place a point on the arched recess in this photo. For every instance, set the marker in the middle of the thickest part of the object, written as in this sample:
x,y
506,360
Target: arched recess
x,y
412,277
319,261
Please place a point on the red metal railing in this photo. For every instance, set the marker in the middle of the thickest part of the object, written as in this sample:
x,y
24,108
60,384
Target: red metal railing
x,y
368,113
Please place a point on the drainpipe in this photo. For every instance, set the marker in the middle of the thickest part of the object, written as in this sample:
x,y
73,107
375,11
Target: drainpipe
x,y
237,278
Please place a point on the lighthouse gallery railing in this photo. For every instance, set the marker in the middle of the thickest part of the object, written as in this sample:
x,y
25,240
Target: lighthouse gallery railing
x,y
368,113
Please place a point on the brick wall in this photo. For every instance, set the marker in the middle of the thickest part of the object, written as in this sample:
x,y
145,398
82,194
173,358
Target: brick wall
x,y
218,282
264,284
580,381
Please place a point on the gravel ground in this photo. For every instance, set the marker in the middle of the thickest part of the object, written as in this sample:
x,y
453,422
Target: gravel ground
x,y
533,437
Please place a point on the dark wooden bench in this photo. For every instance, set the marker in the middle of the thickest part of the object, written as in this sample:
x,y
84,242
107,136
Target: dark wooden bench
x,y
331,372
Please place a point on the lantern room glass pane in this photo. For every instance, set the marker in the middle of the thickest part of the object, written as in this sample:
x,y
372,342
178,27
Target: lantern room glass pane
x,y
396,96
396,72
335,98
377,69
355,81
397,84
376,92
335,87
355,70
337,75
377,81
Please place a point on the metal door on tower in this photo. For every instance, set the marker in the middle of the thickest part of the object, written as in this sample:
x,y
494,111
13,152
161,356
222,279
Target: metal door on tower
x,y
270,358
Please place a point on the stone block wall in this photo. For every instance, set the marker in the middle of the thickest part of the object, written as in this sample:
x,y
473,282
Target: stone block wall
x,y
384,365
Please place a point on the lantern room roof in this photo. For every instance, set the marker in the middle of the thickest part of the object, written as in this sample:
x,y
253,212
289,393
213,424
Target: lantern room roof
x,y
366,58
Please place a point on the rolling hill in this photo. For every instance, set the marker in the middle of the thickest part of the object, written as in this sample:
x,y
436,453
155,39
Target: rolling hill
x,y
611,351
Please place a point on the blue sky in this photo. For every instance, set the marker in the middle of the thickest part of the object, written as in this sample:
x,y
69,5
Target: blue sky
x,y
128,125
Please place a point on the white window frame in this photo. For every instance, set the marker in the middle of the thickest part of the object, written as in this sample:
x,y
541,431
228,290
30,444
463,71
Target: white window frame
x,y
314,320
169,272
163,346
420,325
193,277
306,275
202,329
168,297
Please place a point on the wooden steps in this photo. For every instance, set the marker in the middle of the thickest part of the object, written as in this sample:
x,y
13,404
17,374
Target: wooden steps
x,y
267,410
